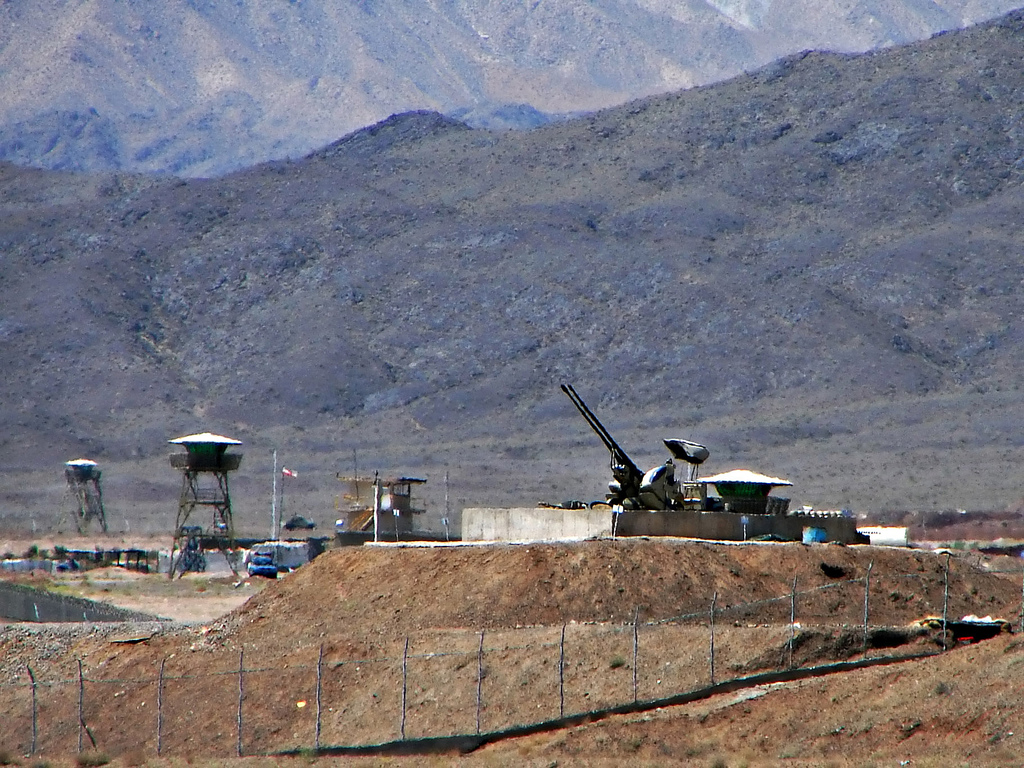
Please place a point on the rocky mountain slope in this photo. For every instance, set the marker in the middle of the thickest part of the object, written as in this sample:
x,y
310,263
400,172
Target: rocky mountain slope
x,y
813,269
210,87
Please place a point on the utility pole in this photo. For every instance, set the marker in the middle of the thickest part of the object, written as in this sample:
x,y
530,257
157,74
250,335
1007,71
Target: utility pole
x,y
376,507
447,507
273,503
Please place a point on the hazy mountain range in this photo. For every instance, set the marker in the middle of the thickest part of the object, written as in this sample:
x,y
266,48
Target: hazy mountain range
x,y
814,269
203,87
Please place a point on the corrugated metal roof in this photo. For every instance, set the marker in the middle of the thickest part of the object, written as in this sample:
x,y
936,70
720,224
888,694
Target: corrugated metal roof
x,y
80,463
205,437
744,476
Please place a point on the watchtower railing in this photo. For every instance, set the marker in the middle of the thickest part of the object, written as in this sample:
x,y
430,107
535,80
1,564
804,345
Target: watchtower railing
x,y
199,462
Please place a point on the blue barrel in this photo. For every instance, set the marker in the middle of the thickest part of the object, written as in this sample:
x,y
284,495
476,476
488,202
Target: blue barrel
x,y
815,535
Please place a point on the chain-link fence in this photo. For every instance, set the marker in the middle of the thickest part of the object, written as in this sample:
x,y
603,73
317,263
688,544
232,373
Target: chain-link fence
x,y
445,683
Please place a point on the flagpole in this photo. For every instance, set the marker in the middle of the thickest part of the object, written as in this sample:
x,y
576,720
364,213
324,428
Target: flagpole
x,y
277,530
273,503
447,506
355,473
376,506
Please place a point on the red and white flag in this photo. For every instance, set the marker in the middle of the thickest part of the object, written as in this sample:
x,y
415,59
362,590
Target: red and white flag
x,y
288,473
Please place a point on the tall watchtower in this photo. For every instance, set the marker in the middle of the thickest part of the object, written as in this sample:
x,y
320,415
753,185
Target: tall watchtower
x,y
83,476
204,465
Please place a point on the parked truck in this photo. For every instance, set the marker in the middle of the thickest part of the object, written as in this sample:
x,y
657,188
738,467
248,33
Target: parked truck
x,y
269,558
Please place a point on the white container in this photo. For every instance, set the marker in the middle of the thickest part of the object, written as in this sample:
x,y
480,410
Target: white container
x,y
887,536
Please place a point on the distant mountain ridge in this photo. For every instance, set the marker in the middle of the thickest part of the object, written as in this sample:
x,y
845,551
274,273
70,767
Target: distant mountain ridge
x,y
205,88
813,269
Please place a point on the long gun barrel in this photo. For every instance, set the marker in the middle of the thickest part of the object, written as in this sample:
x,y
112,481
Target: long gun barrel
x,y
626,473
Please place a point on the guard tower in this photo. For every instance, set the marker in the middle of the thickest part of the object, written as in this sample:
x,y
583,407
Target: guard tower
x,y
83,478
205,465
395,507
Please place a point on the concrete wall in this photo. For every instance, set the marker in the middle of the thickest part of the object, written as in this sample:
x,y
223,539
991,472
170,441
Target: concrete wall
x,y
729,526
27,566
22,603
529,523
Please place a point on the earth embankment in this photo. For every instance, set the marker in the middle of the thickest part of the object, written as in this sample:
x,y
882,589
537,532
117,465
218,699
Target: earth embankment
x,y
434,641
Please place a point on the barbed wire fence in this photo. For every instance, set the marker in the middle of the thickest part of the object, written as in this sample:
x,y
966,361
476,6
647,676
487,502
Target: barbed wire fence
x,y
486,680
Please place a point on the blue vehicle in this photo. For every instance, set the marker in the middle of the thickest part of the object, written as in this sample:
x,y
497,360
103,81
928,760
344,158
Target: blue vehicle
x,y
262,564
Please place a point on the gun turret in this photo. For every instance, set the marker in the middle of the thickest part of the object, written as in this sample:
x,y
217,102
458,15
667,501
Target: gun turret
x,y
625,486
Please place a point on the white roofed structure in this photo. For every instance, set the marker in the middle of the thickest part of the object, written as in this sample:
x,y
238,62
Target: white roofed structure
x,y
749,492
205,437
745,476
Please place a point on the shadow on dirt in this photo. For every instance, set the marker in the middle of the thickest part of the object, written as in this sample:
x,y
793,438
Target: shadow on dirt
x,y
814,646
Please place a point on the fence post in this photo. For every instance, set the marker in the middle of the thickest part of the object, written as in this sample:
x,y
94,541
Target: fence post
x,y
35,732
636,649
1020,626
714,600
945,601
792,623
160,708
81,710
81,704
319,689
405,677
867,591
241,694
479,678
561,674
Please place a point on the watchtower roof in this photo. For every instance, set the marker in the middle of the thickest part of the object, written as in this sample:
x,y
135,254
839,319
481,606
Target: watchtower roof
x,y
80,463
395,480
205,438
745,476
386,482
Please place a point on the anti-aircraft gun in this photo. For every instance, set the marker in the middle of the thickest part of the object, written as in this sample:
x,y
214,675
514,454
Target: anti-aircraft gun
x,y
655,489
626,476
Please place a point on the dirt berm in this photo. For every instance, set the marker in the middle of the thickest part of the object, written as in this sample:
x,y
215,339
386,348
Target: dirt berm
x,y
478,631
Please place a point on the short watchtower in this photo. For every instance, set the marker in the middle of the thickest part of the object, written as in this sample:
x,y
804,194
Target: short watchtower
x,y
83,476
204,465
